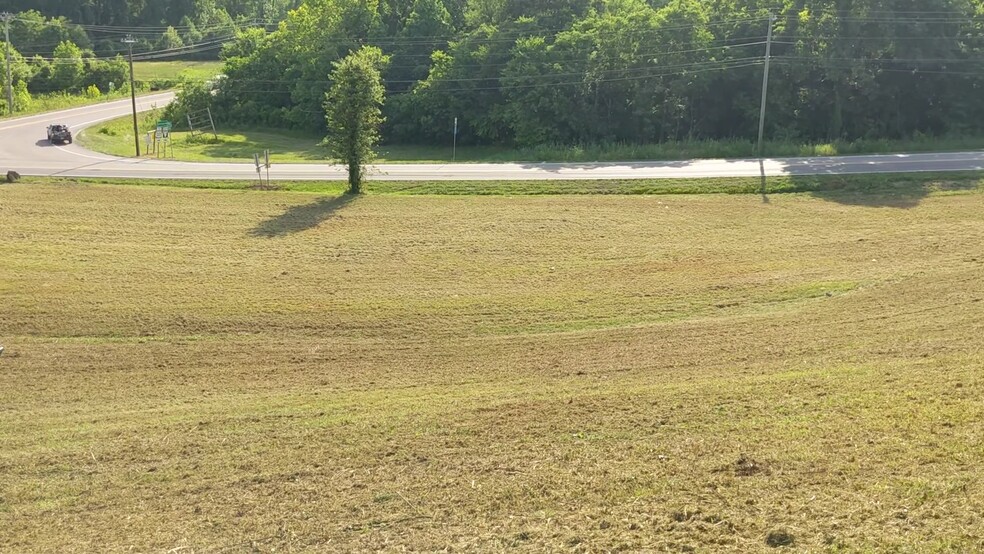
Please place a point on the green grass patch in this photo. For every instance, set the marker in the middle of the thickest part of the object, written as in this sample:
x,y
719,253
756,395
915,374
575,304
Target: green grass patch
x,y
901,186
176,71
716,149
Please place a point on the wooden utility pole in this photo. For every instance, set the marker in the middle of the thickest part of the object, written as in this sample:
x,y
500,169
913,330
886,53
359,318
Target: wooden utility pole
x,y
765,83
10,79
130,41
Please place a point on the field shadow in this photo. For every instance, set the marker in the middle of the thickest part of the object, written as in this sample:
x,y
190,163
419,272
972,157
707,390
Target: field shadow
x,y
890,181
302,218
241,144
905,198
245,152
881,191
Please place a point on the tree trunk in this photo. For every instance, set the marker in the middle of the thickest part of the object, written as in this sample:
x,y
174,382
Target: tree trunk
x,y
355,177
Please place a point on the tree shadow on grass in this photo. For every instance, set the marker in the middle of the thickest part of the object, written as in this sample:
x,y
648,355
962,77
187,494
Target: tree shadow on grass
x,y
302,218
884,191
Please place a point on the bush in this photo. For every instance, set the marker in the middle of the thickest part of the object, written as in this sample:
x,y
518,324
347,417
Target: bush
x,y
22,98
106,75
193,98
92,91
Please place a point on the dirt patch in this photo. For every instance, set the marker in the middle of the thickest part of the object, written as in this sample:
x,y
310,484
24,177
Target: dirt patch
x,y
779,537
746,467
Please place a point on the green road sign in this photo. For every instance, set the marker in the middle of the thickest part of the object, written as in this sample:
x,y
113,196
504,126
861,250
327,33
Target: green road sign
x,y
164,124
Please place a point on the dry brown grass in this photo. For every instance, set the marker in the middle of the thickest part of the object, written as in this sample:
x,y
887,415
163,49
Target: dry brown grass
x,y
211,371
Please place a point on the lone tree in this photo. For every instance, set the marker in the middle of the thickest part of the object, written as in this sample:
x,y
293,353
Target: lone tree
x,y
352,108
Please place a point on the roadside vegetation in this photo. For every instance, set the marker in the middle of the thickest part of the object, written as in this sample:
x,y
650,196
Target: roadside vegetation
x,y
284,371
149,76
55,63
239,144
521,74
60,101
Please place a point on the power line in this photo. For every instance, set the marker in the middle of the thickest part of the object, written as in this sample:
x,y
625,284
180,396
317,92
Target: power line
x,y
707,47
689,69
912,70
884,60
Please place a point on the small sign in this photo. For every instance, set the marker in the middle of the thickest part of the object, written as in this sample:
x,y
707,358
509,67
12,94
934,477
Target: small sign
x,y
164,124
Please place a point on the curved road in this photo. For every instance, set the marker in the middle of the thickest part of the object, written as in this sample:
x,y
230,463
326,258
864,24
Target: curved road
x,y
23,148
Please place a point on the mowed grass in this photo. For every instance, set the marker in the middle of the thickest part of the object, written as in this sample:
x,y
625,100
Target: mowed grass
x,y
210,370
899,190
239,144
113,136
176,70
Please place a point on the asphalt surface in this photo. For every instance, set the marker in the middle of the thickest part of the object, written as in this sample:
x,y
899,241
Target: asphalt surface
x,y
24,148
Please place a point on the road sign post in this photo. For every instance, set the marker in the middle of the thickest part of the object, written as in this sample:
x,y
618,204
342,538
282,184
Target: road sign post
x,y
266,156
162,137
454,142
259,174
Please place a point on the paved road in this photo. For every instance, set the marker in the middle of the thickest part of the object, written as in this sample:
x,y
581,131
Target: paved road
x,y
24,149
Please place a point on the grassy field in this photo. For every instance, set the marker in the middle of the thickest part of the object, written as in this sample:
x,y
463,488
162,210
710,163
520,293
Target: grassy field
x,y
176,70
230,370
294,147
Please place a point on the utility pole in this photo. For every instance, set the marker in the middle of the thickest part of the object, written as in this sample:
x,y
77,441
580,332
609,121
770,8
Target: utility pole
x,y
130,41
10,79
765,83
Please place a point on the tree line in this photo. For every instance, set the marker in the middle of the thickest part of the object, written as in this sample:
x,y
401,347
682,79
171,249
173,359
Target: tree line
x,y
526,72
98,25
61,46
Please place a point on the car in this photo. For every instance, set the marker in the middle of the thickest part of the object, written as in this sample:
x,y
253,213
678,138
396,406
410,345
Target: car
x,y
59,133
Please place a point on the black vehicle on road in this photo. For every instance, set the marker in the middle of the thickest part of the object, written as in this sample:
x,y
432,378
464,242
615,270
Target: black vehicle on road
x,y
59,133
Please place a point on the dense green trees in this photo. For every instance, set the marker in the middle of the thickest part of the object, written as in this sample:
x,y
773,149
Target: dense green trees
x,y
67,67
55,54
569,71
97,25
150,13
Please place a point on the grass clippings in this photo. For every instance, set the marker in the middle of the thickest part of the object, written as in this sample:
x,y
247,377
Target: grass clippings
x,y
226,370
